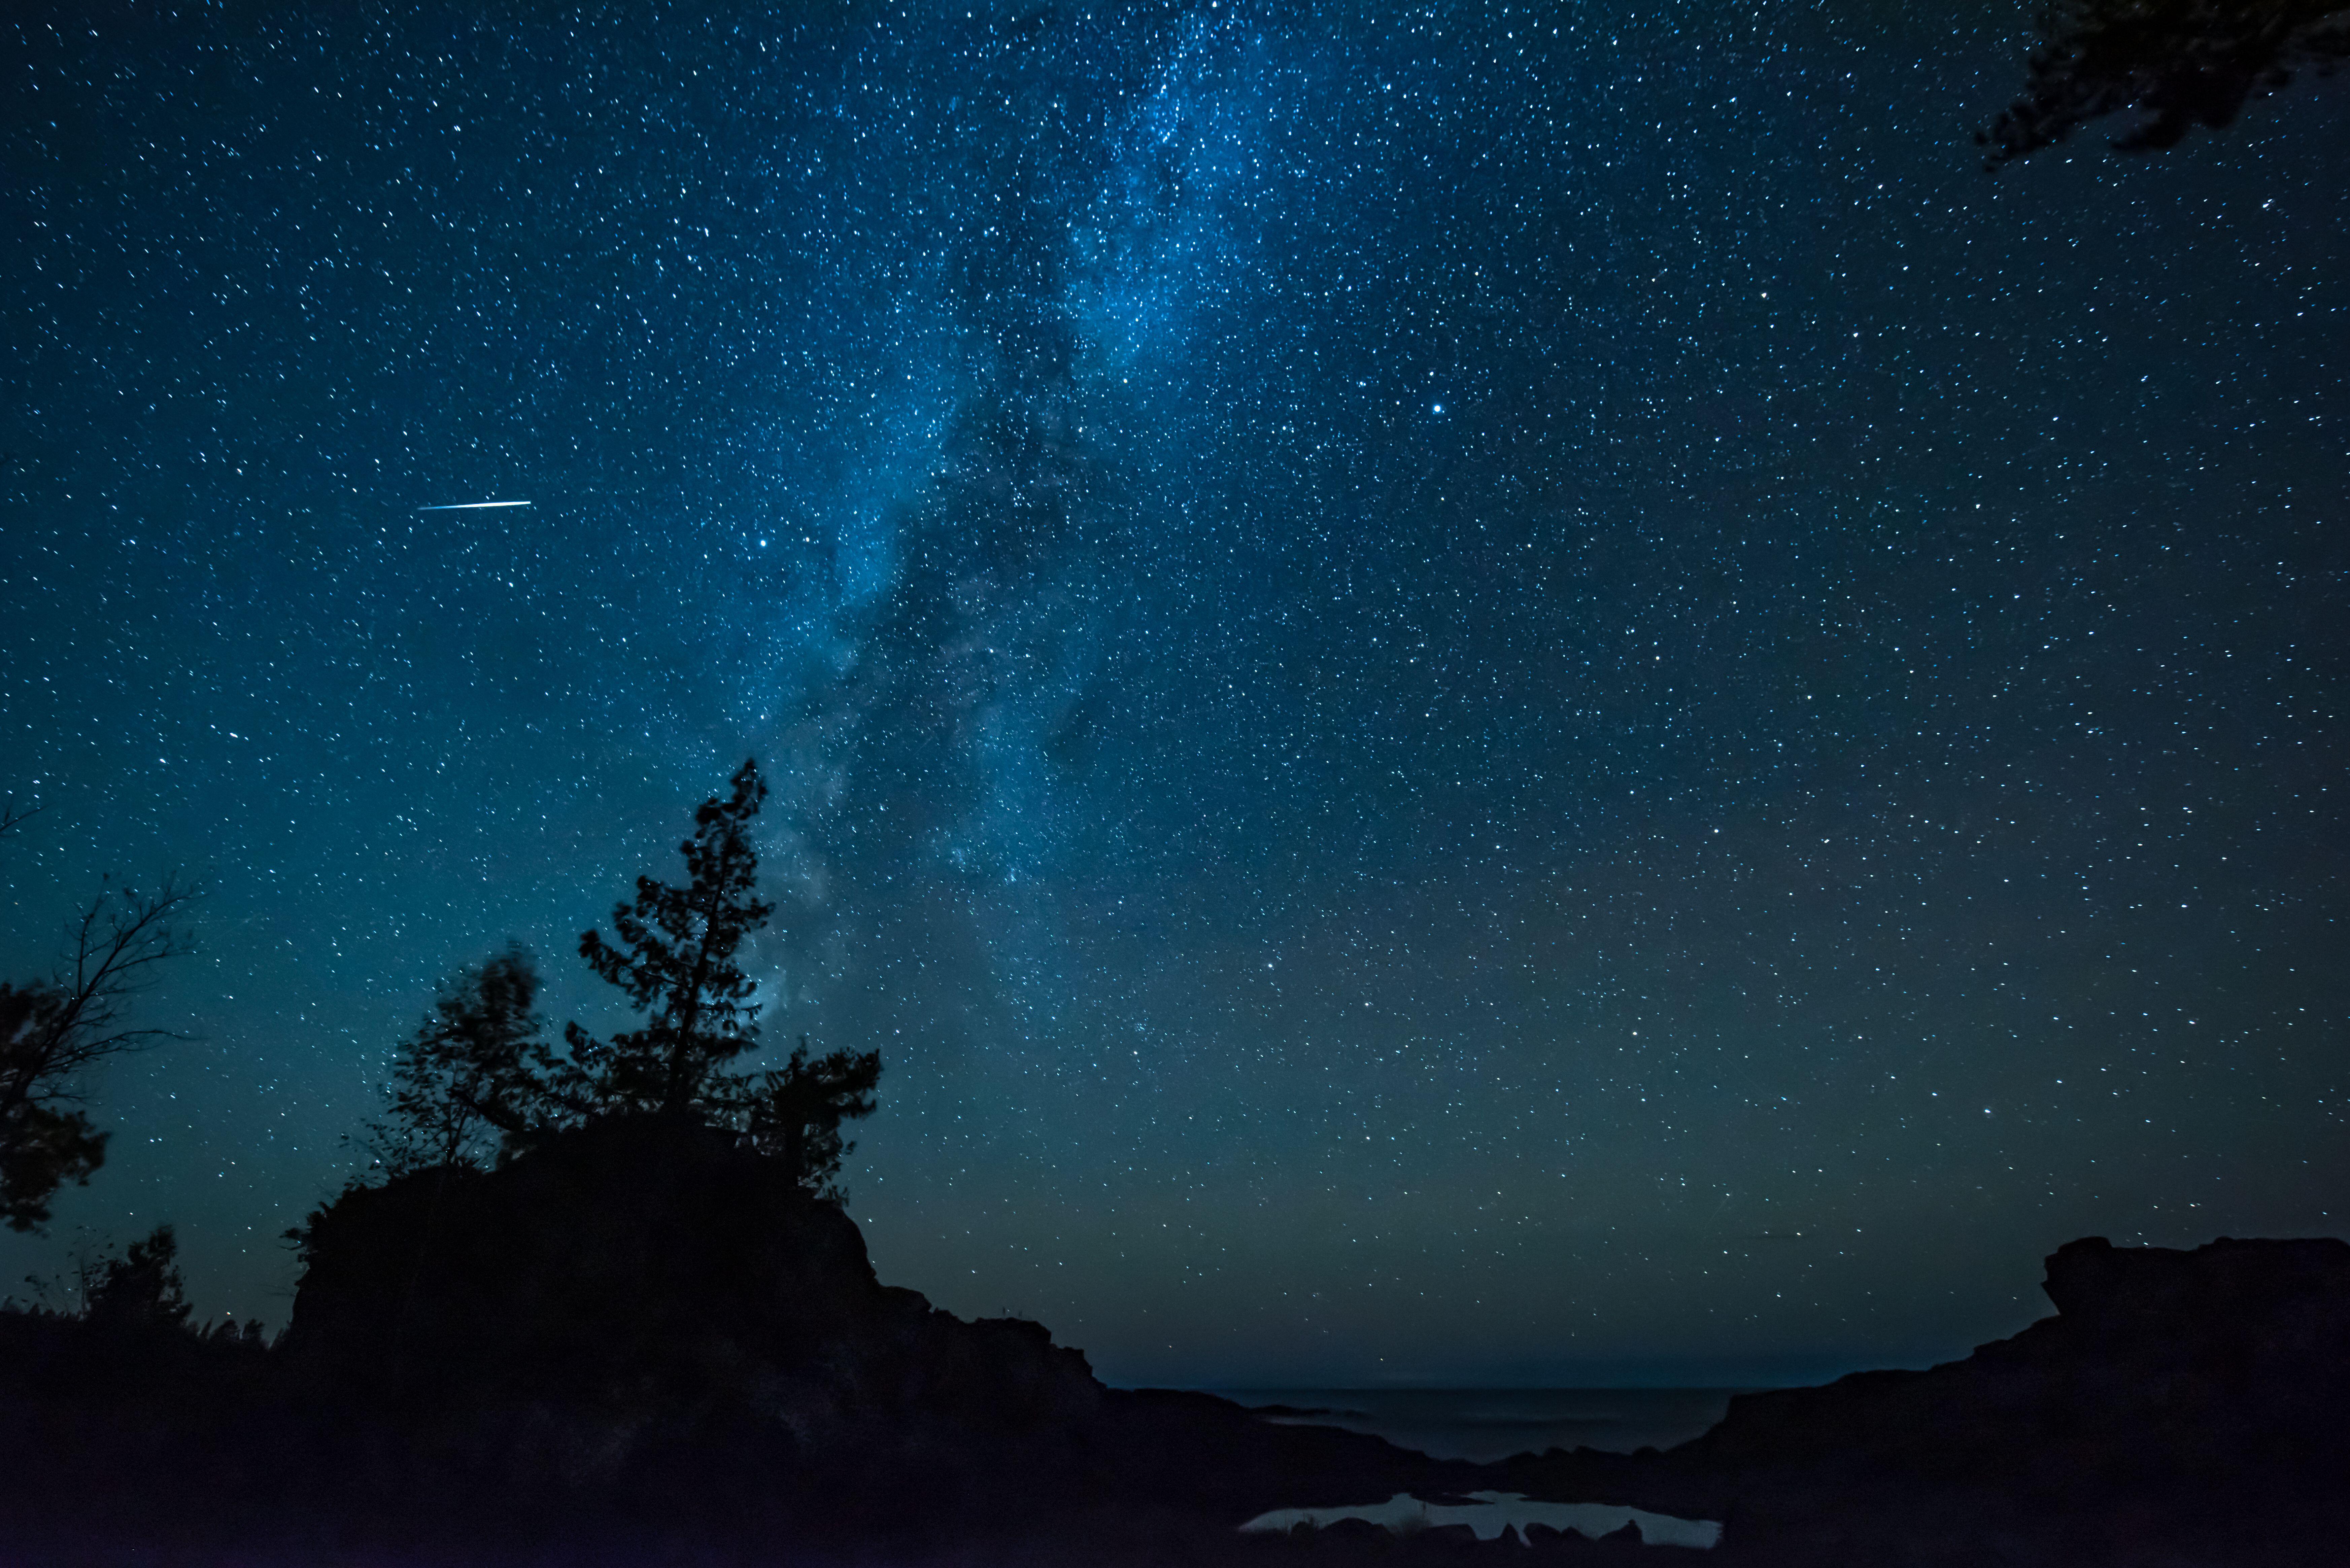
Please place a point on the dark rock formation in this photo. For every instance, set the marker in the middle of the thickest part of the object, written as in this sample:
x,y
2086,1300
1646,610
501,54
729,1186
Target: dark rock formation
x,y
656,1282
2162,1367
641,1342
2190,1404
644,1336
646,1315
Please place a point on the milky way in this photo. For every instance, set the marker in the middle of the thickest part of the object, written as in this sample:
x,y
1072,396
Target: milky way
x,y
1468,693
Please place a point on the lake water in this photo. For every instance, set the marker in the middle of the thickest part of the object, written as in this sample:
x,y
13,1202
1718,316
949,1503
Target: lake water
x,y
1487,1424
1492,1511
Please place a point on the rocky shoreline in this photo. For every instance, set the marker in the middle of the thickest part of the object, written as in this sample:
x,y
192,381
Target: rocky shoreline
x,y
641,1343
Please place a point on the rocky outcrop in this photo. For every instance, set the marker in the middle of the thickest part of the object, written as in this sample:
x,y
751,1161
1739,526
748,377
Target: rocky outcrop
x,y
633,1308
2190,1403
643,1286
2161,1367
643,1339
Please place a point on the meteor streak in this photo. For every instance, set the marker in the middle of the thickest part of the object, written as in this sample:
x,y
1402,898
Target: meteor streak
x,y
472,506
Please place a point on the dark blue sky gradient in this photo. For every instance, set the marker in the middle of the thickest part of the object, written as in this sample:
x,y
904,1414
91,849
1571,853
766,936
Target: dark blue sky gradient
x,y
1426,668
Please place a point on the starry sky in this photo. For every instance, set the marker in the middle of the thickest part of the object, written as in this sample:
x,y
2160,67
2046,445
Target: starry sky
x,y
1470,694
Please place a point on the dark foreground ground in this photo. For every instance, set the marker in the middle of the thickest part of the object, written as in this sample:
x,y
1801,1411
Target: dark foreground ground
x,y
634,1350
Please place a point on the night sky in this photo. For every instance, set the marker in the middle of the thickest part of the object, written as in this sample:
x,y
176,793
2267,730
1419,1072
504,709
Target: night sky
x,y
1468,694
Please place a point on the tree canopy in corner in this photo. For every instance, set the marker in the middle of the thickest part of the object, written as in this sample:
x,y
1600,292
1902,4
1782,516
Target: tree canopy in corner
x,y
2178,63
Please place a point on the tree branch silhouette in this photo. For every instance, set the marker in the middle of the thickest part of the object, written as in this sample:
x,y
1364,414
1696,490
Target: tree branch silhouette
x,y
53,1032
675,960
2179,63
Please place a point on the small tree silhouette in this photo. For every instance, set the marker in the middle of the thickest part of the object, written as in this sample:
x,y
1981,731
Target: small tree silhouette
x,y
142,1287
478,1083
52,1031
479,1080
675,957
795,1115
2179,63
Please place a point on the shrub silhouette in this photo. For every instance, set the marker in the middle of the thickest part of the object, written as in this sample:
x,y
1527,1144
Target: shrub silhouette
x,y
141,1288
478,1083
2179,63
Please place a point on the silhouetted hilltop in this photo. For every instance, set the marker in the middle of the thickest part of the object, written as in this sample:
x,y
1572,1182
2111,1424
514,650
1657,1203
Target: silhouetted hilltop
x,y
2162,1367
656,1275
643,1306
642,1336
2182,1407
645,1337
647,1299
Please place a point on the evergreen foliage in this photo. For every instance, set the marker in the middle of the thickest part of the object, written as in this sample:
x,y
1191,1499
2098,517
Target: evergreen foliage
x,y
675,958
479,1080
141,1288
42,1145
2179,63
795,1115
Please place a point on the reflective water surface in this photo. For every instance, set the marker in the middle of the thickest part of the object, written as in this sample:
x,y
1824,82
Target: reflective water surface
x,y
1492,1511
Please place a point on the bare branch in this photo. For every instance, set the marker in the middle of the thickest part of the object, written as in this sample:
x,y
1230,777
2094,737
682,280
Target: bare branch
x,y
52,1031
119,938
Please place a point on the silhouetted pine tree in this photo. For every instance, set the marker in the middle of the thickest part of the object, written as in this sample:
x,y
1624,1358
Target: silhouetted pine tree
x,y
675,957
478,1083
795,1115
479,1080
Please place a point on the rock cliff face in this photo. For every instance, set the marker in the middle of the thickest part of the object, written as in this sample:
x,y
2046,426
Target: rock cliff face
x,y
647,1283
639,1342
629,1311
2175,1393
2160,1365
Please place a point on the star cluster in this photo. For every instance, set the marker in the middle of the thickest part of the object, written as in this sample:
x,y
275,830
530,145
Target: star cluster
x,y
1468,691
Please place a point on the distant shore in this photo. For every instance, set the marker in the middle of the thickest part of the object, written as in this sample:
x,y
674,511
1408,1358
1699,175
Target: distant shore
x,y
1482,1425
